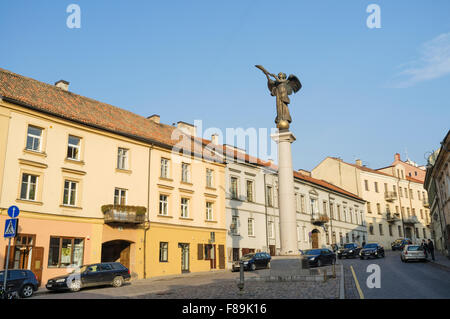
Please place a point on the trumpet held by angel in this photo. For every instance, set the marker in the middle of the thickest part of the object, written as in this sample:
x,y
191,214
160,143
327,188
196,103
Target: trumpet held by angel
x,y
281,87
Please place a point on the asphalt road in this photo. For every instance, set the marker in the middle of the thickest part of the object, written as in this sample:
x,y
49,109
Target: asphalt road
x,y
401,280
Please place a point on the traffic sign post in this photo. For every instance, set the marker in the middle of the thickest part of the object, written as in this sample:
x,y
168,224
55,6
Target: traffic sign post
x,y
11,226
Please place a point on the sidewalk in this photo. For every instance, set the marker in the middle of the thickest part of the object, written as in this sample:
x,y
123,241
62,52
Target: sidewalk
x,y
440,260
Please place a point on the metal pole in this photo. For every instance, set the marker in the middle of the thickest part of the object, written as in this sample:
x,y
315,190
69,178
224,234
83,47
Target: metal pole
x,y
6,268
241,278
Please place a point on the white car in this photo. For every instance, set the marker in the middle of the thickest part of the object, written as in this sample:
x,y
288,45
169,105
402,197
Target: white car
x,y
412,252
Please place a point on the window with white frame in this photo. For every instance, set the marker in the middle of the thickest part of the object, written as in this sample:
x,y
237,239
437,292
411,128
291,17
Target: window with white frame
x,y
250,191
70,193
164,168
120,196
251,227
209,211
269,196
28,187
122,158
34,136
184,207
234,187
73,148
314,207
209,178
302,203
163,205
234,227
185,173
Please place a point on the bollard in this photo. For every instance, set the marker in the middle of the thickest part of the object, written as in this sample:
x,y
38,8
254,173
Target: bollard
x,y
334,270
241,276
324,275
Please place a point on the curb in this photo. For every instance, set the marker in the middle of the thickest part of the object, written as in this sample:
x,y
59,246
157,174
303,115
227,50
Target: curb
x,y
341,284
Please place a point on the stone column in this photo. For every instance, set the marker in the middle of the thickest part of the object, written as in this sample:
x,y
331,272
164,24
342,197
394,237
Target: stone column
x,y
286,195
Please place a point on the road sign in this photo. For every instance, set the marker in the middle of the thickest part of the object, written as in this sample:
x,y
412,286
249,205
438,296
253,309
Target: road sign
x,y
10,228
13,211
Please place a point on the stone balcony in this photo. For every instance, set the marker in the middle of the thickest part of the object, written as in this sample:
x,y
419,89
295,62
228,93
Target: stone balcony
x,y
319,220
123,214
390,196
411,220
391,217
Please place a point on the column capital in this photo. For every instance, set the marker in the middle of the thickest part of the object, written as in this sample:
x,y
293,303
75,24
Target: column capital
x,y
286,136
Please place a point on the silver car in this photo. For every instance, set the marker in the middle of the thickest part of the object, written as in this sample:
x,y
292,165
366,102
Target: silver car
x,y
412,252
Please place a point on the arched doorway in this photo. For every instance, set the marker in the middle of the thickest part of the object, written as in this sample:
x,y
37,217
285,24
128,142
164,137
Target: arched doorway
x,y
408,233
117,250
315,238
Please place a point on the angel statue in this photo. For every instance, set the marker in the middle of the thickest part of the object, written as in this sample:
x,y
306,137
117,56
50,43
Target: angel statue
x,y
281,87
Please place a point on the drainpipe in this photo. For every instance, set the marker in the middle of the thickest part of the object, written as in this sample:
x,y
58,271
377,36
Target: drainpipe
x,y
265,207
147,217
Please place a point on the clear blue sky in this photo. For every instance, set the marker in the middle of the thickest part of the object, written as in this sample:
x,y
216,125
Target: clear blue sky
x,y
367,93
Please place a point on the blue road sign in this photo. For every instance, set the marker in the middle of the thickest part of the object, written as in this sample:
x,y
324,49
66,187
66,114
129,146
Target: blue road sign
x,y
10,228
13,211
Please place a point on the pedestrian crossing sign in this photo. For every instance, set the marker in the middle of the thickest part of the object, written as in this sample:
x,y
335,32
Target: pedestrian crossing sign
x,y
10,228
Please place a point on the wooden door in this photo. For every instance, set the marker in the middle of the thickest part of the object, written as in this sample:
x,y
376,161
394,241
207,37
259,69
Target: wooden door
x,y
11,257
315,240
37,261
125,257
272,250
221,257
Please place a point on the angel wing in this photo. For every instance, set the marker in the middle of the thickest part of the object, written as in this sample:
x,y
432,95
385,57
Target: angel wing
x,y
293,84
271,84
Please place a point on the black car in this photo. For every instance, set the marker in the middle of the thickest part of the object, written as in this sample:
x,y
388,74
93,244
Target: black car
x,y
371,250
253,261
22,281
350,250
319,257
400,243
112,273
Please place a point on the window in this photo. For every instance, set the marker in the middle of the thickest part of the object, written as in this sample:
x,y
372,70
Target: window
x,y
29,186
421,214
73,148
302,203
163,205
417,232
234,225
380,226
339,212
163,252
378,209
234,187
351,215
369,210
34,136
314,208
122,158
414,212
270,229
65,252
386,187
347,238
251,225
184,207
376,187
269,198
366,184
209,178
424,233
400,231
209,211
407,209
411,194
250,191
70,193
331,211
406,193
164,168
390,231
325,212
400,191
120,196
418,195
371,229
185,173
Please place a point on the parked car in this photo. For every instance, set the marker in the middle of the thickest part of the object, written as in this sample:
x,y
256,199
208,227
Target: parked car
x,y
400,243
112,273
22,281
319,257
350,250
412,252
253,261
371,250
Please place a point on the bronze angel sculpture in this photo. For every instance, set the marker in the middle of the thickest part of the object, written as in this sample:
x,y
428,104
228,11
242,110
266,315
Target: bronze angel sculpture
x,y
282,87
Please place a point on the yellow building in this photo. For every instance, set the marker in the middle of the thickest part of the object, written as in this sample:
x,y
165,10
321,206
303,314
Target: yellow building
x,y
87,178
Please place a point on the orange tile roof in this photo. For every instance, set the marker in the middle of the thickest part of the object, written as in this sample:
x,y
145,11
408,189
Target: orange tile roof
x,y
55,101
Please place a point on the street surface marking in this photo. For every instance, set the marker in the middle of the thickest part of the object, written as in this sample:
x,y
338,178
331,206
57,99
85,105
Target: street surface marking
x,y
361,295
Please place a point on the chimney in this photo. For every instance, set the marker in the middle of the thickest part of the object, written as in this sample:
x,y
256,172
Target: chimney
x,y
358,162
397,157
64,85
155,118
215,139
187,128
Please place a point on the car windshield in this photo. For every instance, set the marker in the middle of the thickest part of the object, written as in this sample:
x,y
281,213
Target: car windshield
x,y
312,252
370,246
248,256
414,248
349,246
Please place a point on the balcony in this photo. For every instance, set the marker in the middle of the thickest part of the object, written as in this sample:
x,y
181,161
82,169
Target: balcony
x,y
122,214
319,220
390,196
392,218
410,220
425,202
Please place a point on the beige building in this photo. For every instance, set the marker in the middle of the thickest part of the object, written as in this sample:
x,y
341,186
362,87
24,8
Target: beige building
x,y
98,183
396,204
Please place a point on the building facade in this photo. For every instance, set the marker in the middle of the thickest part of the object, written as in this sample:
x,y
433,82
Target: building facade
x,y
97,183
396,204
437,183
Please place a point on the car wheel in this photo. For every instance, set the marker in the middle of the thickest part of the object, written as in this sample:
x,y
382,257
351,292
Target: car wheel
x,y
75,285
117,281
27,291
268,265
253,267
319,263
